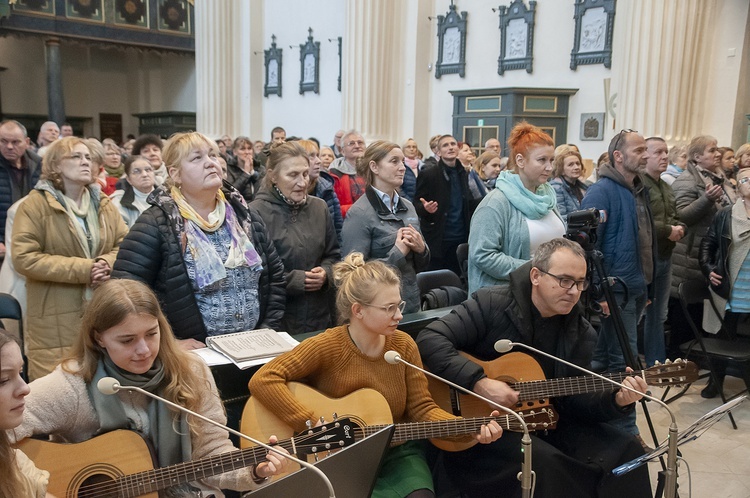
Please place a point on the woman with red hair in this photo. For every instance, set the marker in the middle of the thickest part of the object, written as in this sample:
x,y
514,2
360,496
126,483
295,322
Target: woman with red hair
x,y
519,214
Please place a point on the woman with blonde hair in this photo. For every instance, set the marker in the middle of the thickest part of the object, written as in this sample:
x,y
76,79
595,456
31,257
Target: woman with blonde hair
x,y
66,235
304,236
742,157
384,225
486,169
125,335
521,213
567,180
678,159
208,258
349,357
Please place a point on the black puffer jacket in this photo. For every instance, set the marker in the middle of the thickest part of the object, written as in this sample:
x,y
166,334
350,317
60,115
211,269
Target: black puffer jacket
x,y
153,253
8,194
505,312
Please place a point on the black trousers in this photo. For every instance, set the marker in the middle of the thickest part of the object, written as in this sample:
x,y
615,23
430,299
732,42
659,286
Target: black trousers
x,y
574,460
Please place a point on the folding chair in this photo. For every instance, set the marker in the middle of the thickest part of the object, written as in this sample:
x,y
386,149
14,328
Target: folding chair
x,y
462,254
10,308
713,349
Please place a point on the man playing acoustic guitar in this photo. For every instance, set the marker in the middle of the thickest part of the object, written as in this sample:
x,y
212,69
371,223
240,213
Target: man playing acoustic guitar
x,y
540,308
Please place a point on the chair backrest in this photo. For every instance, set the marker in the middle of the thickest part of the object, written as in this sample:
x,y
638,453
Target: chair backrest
x,y
693,291
462,254
428,280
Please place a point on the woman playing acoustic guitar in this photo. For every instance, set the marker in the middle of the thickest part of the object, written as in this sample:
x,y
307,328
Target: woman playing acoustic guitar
x,y
125,335
344,359
20,476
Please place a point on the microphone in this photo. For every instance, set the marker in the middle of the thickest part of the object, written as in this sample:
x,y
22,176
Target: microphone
x,y
670,485
110,385
527,476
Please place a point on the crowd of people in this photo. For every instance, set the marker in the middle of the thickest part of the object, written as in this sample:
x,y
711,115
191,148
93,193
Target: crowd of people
x,y
129,255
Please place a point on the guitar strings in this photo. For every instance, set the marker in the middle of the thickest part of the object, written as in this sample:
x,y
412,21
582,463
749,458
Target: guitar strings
x,y
153,480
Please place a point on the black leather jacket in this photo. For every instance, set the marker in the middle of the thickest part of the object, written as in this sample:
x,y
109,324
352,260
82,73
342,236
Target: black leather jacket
x,y
714,250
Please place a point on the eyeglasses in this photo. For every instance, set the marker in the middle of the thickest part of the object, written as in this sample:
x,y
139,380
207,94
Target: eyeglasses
x,y
78,157
138,171
568,283
360,143
391,308
620,135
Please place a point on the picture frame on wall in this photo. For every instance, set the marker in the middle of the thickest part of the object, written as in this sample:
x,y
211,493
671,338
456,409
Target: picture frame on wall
x,y
273,69
451,43
516,36
595,21
592,126
309,59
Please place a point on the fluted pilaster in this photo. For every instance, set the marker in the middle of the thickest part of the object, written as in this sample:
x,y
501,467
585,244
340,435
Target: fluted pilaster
x,y
661,66
229,84
373,48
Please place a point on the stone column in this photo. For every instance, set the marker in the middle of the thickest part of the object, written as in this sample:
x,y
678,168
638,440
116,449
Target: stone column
x,y
229,67
55,101
661,66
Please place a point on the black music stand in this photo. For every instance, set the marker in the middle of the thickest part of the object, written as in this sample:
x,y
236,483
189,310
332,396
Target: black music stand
x,y
690,434
351,470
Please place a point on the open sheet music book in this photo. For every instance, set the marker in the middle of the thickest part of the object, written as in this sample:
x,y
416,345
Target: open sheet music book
x,y
250,347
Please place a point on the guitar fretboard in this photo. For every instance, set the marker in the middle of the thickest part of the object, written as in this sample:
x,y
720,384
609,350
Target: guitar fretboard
x,y
566,386
152,481
442,428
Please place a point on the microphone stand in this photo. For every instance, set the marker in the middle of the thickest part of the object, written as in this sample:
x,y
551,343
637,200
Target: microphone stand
x,y
670,486
527,476
109,385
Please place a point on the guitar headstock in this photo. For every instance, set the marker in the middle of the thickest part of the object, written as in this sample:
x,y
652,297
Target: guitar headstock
x,y
672,373
536,420
328,437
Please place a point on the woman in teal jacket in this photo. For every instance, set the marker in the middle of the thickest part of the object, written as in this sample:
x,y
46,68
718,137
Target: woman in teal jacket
x,y
518,215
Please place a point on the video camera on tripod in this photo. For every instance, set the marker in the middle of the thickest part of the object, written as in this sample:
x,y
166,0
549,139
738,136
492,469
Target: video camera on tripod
x,y
582,226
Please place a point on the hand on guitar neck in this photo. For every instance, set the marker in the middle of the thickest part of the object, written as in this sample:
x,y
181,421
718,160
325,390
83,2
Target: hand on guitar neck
x,y
624,397
497,390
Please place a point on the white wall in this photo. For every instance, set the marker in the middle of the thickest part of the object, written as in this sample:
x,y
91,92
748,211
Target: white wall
x,y
96,80
317,115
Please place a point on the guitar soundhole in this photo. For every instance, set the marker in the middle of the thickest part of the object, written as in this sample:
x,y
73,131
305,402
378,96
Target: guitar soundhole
x,y
98,486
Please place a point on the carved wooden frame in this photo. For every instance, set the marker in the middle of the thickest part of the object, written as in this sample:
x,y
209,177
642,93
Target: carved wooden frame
x,y
603,56
516,10
309,48
273,54
449,21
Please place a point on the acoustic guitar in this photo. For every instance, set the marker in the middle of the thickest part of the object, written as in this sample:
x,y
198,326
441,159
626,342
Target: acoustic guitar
x,y
369,412
523,374
120,464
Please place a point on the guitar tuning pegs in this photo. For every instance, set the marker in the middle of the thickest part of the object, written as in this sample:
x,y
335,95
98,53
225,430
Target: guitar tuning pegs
x,y
668,362
335,416
679,360
322,420
308,424
657,363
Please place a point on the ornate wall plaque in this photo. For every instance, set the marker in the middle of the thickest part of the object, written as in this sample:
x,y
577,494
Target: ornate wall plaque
x,y
309,59
451,43
592,126
595,21
516,36
273,69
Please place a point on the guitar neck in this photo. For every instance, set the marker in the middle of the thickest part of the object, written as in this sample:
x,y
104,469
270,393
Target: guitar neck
x,y
155,480
443,428
566,386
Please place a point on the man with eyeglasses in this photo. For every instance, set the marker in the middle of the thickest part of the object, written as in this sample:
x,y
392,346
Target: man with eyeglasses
x,y
626,241
347,184
19,170
539,307
667,231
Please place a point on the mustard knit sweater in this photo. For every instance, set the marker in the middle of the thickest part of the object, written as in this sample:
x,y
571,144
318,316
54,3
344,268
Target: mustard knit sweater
x,y
331,363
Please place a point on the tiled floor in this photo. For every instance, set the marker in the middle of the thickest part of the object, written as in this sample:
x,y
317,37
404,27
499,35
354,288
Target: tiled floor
x,y
719,460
